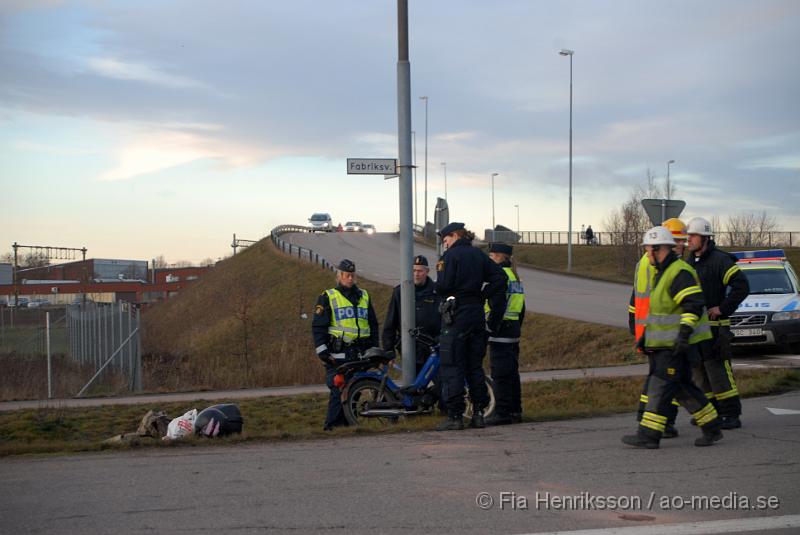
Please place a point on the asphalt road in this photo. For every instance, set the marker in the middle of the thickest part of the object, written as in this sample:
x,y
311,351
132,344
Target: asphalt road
x,y
377,258
528,478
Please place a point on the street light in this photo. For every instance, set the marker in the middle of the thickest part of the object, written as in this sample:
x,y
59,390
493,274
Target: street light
x,y
570,53
425,222
414,164
668,164
444,166
493,175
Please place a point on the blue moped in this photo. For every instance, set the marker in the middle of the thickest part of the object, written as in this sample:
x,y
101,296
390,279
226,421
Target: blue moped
x,y
368,392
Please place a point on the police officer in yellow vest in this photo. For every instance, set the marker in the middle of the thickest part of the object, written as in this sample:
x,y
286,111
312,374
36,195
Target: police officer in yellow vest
x,y
504,344
676,323
639,306
344,323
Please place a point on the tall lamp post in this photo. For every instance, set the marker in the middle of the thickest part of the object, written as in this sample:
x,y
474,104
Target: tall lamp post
x,y
570,53
414,165
517,207
444,167
669,195
493,175
425,198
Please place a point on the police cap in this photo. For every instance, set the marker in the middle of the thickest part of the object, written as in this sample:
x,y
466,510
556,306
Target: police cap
x,y
501,248
449,229
347,266
420,260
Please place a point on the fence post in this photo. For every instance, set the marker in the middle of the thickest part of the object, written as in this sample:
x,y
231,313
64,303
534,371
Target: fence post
x,y
138,372
49,357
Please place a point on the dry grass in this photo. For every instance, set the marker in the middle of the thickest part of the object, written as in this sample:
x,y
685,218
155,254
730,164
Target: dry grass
x,y
69,430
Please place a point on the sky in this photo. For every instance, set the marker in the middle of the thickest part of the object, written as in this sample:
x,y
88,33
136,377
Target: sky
x,y
139,129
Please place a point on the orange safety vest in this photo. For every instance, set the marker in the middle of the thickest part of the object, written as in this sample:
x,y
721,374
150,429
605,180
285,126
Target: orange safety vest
x,y
642,285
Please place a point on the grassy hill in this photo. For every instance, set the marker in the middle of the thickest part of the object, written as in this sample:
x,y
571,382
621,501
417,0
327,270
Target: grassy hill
x,y
241,326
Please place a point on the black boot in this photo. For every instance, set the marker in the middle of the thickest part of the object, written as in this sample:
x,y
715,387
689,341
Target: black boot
x,y
497,419
709,437
670,432
477,421
640,441
451,423
731,422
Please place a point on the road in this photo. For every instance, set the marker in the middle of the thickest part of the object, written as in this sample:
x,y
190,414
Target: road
x,y
425,482
377,258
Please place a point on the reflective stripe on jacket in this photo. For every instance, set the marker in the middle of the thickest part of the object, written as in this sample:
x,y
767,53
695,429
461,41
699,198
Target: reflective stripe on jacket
x,y
347,321
666,315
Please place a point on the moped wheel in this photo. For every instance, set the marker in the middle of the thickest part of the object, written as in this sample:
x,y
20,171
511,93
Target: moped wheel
x,y
359,394
489,409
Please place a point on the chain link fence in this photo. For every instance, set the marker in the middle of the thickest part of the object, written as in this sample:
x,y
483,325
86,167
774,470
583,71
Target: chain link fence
x,y
69,351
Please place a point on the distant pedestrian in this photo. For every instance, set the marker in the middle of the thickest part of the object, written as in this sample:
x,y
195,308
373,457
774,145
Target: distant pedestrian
x,y
589,235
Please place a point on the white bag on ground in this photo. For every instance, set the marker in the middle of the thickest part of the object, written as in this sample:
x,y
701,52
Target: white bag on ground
x,y
182,425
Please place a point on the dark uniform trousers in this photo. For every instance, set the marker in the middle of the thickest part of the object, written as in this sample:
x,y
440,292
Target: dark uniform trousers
x,y
671,378
335,415
504,359
462,346
671,412
713,373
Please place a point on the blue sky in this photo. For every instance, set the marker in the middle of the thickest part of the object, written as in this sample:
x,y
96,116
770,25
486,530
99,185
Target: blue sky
x,y
149,128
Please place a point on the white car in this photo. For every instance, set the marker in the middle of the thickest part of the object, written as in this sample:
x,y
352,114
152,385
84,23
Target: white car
x,y
369,229
353,226
770,315
321,222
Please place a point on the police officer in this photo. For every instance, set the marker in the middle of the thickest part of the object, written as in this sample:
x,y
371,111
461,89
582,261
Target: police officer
x,y
724,287
461,273
344,324
640,305
504,344
676,323
427,315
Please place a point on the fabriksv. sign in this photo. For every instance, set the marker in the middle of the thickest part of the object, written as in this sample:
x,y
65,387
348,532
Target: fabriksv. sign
x,y
371,166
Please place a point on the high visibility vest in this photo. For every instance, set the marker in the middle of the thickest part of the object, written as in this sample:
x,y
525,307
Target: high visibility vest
x,y
348,322
642,284
515,297
666,316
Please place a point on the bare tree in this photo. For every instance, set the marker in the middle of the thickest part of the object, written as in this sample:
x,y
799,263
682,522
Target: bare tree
x,y
160,262
6,258
751,229
207,262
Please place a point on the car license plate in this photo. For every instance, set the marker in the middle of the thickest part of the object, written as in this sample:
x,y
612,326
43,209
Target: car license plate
x,y
747,332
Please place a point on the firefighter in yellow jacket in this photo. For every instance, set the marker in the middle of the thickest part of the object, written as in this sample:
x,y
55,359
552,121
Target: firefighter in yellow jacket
x,y
676,323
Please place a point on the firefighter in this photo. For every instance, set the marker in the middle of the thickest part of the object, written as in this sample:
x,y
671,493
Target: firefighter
x,y
676,323
639,305
461,274
344,325
724,288
504,345
427,316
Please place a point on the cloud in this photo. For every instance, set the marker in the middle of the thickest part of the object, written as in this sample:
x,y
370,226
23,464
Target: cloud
x,y
51,149
790,162
140,72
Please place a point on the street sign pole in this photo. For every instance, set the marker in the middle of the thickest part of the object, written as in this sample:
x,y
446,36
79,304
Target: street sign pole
x,y
407,312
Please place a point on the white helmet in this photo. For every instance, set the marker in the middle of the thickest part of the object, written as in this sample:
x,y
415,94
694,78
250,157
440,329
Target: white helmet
x,y
699,225
658,236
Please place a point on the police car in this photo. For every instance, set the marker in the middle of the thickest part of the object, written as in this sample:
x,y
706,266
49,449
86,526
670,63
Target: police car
x,y
771,313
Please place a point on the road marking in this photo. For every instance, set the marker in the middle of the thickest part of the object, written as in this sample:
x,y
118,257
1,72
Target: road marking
x,y
694,528
782,412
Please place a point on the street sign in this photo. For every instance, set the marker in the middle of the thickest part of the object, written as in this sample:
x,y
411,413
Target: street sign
x,y
371,166
659,210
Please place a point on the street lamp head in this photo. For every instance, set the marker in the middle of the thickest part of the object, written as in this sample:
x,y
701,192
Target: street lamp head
x,y
671,161
423,98
566,52
495,174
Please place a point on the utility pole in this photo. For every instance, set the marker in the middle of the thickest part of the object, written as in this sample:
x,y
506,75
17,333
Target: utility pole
x,y
407,308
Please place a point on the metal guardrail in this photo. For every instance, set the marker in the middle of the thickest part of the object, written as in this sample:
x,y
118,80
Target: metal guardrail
x,y
725,239
291,249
